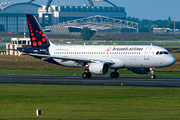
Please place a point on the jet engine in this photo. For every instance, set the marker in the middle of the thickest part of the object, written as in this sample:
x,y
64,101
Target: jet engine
x,y
99,68
140,70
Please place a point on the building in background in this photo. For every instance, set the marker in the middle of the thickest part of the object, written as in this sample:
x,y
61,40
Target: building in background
x,y
55,12
166,31
99,24
58,14
13,16
17,43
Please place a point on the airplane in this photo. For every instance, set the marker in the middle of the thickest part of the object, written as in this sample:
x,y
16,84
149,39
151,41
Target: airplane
x,y
97,59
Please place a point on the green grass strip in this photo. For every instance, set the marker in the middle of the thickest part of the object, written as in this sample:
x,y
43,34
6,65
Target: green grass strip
x,y
76,102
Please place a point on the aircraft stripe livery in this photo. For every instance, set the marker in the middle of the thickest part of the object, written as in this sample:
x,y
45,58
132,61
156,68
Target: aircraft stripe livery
x,y
98,59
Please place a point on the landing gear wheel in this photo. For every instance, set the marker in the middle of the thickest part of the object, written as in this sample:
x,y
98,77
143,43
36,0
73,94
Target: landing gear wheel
x,y
153,76
114,75
86,75
89,75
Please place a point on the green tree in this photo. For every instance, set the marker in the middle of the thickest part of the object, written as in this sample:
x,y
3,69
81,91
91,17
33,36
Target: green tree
x,y
2,28
154,26
160,25
177,25
144,29
86,33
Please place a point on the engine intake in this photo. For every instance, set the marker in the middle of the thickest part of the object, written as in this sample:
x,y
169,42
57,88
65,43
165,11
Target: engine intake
x,y
99,68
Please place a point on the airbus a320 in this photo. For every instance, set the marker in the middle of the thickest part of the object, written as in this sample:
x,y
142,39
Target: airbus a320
x,y
98,59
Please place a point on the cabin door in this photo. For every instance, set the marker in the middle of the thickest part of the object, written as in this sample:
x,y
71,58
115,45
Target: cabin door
x,y
146,54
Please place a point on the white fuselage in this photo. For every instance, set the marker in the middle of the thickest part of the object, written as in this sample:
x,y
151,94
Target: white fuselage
x,y
123,56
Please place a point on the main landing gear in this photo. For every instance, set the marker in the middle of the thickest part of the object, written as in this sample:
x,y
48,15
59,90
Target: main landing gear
x,y
114,74
86,74
152,72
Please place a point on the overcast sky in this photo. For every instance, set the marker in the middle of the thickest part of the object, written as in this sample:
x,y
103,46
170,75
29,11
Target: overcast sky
x,y
143,9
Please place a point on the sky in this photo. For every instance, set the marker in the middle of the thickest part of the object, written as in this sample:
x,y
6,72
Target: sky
x,y
143,9
151,9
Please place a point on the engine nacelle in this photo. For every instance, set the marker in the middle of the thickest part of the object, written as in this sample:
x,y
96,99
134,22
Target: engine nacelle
x,y
141,70
99,68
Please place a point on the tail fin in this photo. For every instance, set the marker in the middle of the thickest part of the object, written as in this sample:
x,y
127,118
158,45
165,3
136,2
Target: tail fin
x,y
38,38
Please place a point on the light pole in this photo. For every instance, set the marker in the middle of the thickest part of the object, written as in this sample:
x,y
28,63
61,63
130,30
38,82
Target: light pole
x,y
174,26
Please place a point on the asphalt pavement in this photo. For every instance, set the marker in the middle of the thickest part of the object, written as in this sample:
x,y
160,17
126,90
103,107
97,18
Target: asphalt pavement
x,y
95,80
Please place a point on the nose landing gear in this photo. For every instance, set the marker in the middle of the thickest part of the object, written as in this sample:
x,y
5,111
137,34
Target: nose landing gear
x,y
152,72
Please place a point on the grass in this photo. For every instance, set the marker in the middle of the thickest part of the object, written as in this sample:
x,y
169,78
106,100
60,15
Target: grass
x,y
72,102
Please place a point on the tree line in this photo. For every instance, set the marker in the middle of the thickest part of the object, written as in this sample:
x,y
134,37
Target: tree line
x,y
145,25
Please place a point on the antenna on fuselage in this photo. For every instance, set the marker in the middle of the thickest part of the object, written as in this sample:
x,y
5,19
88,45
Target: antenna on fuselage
x,y
151,44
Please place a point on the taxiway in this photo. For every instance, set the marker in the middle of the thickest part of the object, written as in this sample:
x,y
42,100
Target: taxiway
x,y
96,80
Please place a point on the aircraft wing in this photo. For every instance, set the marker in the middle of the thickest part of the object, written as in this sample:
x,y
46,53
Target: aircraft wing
x,y
44,57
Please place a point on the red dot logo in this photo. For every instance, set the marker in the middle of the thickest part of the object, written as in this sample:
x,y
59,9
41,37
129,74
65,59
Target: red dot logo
x,y
37,31
34,43
32,34
31,30
39,43
43,35
33,38
40,32
43,39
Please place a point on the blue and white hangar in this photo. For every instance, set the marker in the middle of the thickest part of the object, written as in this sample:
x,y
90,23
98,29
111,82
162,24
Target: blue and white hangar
x,y
66,16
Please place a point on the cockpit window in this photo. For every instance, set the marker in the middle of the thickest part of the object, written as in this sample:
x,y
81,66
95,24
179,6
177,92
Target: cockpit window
x,y
157,53
166,53
162,52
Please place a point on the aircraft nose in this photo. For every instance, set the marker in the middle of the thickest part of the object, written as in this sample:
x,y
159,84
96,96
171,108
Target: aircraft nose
x,y
171,60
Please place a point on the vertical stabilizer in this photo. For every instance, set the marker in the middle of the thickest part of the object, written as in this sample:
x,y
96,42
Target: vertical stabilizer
x,y
38,38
